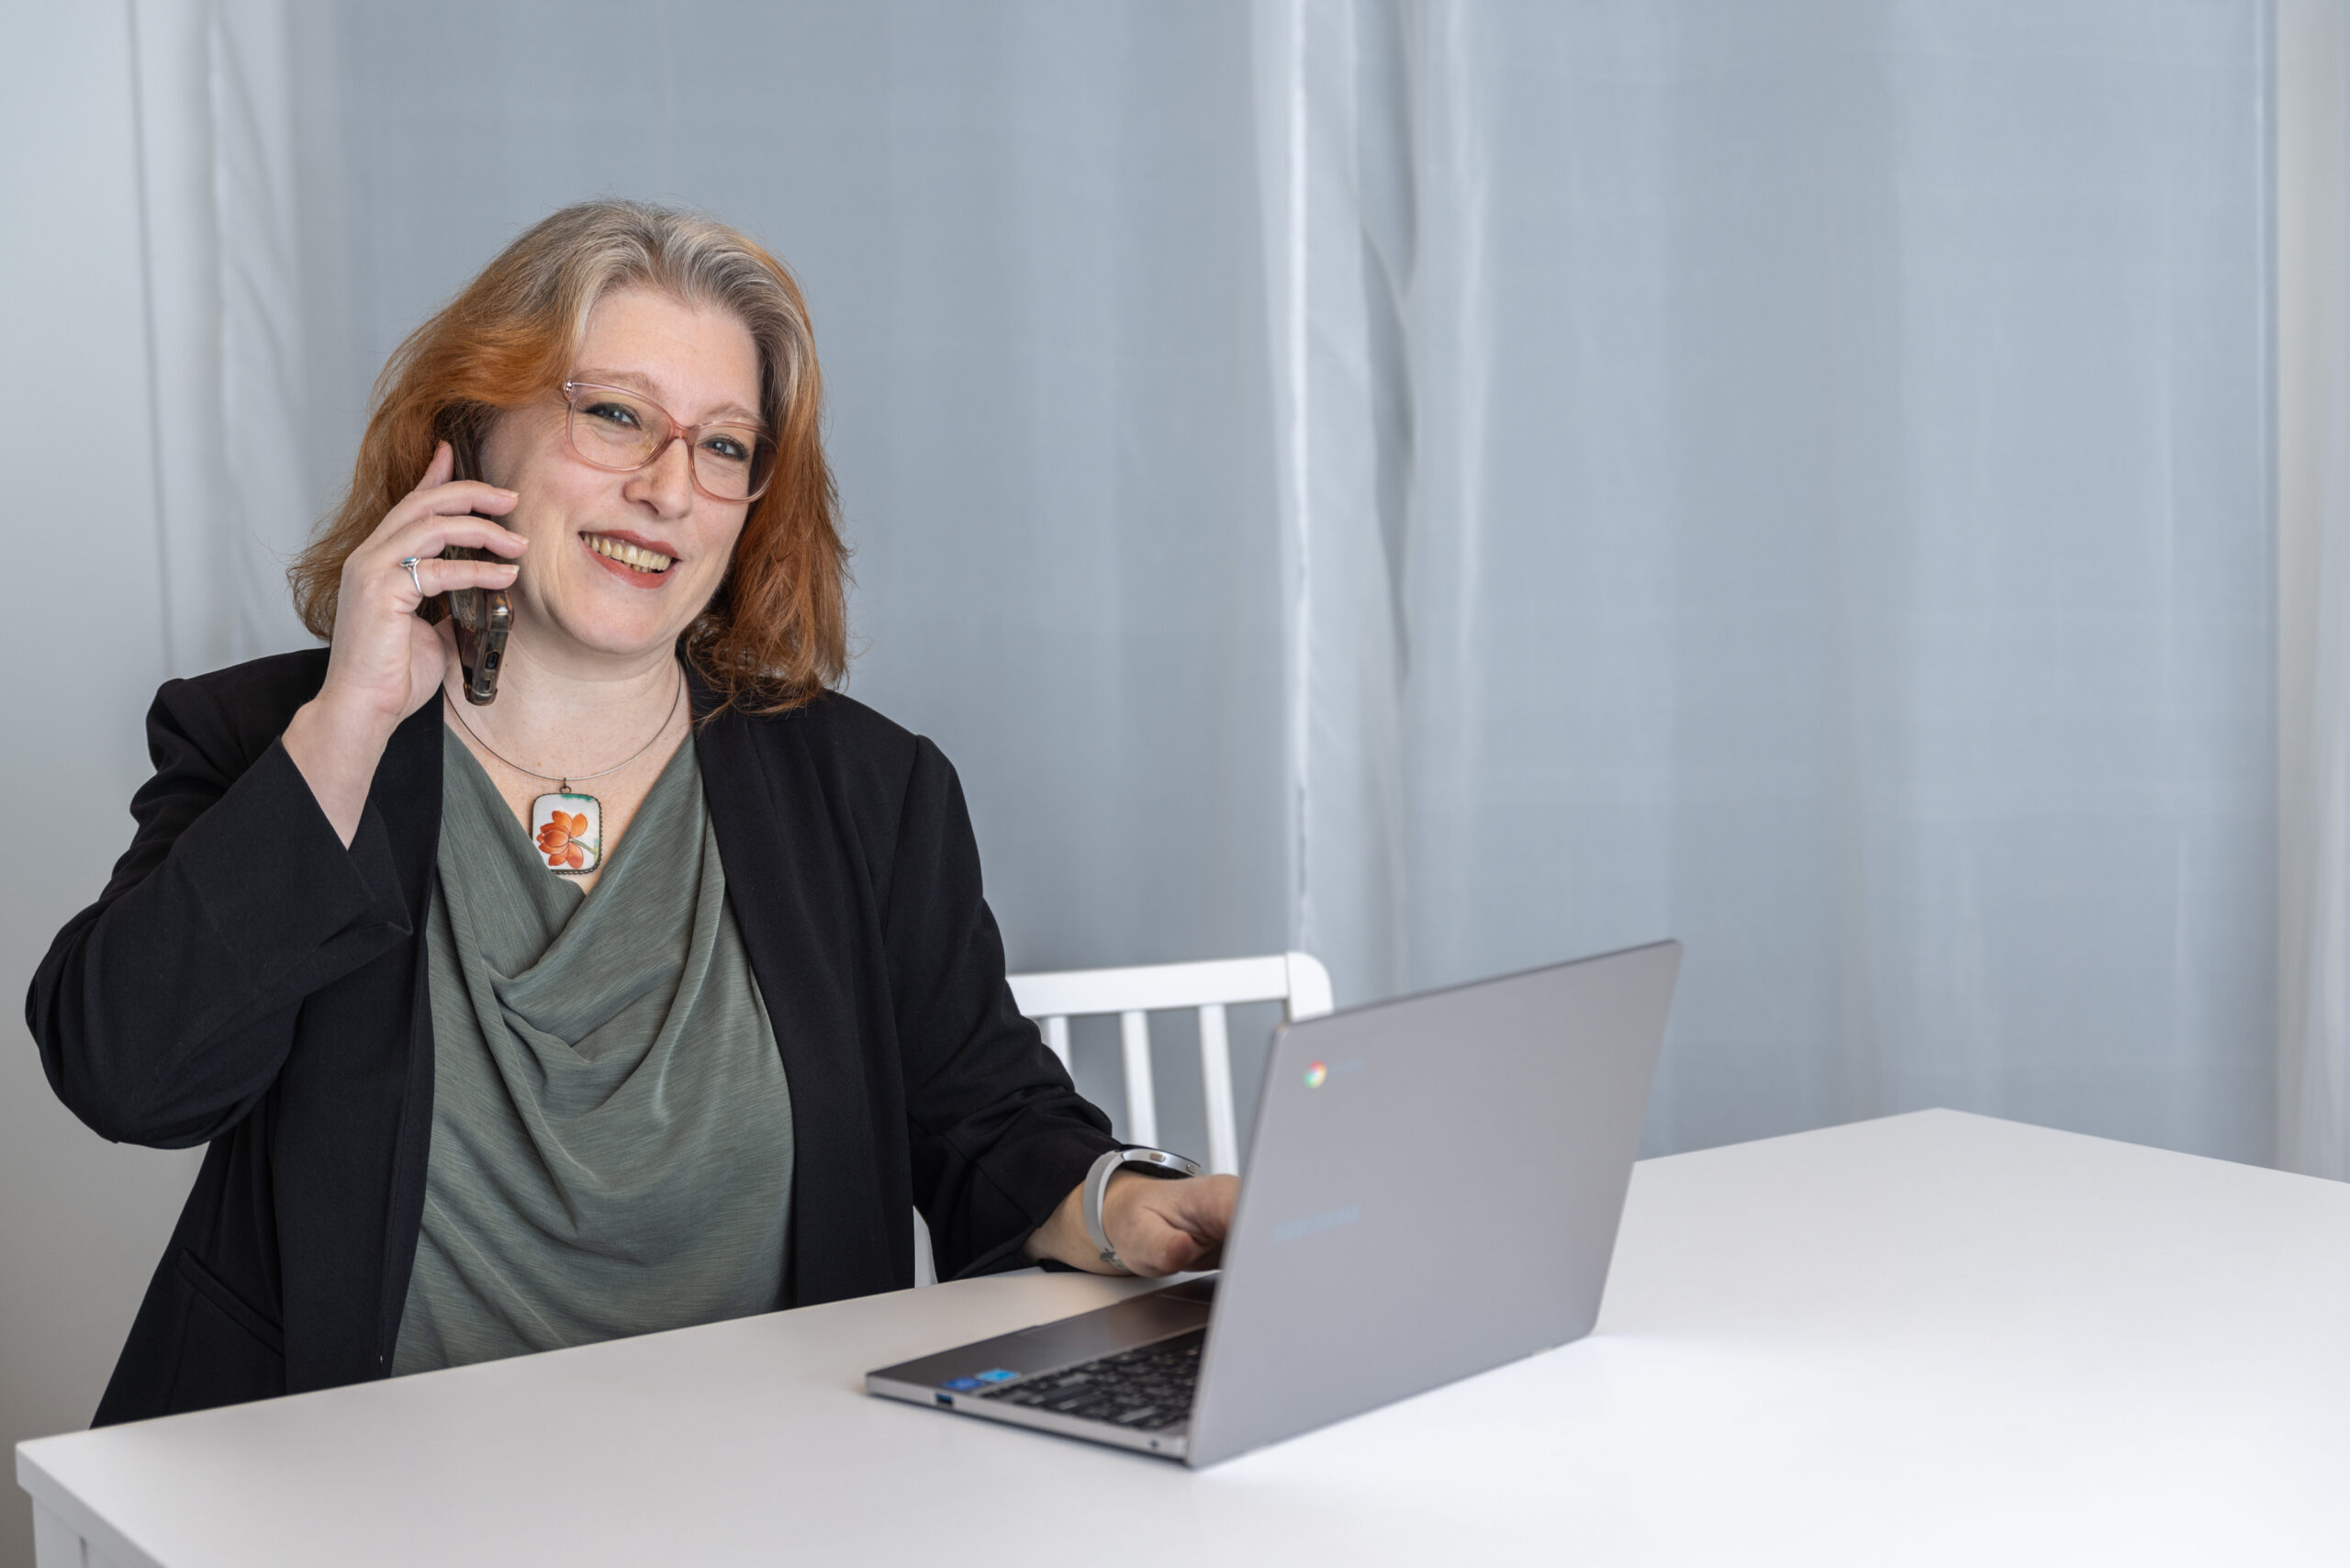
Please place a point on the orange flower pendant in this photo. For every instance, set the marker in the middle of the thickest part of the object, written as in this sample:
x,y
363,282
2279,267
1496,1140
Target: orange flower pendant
x,y
569,831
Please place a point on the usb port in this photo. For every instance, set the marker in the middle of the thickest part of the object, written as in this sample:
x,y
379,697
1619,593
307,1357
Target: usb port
x,y
946,1399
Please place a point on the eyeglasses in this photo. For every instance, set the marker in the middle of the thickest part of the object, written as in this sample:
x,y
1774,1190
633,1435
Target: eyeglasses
x,y
620,432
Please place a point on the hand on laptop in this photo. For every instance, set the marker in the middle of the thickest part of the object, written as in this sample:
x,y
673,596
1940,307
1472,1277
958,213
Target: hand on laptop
x,y
1159,1226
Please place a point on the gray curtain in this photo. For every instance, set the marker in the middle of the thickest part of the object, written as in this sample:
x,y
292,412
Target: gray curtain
x,y
1794,477
1450,485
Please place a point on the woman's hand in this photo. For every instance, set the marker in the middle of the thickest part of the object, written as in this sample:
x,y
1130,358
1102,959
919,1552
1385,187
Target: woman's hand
x,y
386,662
1157,1225
1163,1227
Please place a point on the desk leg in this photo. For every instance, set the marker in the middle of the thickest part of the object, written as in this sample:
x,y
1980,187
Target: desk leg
x,y
54,1544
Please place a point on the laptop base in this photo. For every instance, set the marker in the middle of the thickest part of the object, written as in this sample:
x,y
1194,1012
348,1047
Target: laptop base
x,y
1018,1378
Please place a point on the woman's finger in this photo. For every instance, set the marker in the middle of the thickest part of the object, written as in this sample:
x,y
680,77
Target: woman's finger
x,y
437,493
467,497
434,576
438,531
437,471
1168,1249
457,496
1203,1206
430,535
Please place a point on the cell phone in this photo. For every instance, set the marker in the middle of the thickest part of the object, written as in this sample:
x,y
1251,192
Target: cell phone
x,y
484,616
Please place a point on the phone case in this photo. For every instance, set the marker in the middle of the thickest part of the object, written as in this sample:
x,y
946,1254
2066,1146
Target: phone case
x,y
484,616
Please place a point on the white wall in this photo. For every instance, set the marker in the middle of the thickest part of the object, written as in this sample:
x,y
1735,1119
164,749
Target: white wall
x,y
82,1221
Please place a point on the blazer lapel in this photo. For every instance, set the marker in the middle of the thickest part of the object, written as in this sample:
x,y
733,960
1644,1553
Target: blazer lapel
x,y
797,907
406,793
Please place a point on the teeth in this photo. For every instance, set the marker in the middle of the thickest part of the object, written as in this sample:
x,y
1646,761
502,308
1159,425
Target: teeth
x,y
627,554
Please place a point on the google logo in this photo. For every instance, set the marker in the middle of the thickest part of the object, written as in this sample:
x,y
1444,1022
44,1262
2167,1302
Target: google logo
x,y
1315,1073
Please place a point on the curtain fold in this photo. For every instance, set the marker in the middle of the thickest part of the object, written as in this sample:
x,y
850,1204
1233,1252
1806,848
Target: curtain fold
x,y
1340,226
235,481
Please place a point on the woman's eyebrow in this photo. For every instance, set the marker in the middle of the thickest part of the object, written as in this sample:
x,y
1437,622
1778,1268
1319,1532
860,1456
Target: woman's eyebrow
x,y
637,381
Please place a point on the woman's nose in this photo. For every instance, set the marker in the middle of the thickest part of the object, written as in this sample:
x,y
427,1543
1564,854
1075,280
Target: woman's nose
x,y
668,482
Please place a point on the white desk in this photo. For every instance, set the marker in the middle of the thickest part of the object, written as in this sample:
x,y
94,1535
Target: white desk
x,y
1932,1338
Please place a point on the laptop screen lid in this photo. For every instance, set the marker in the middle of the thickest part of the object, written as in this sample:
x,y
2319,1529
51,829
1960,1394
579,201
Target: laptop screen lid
x,y
1433,1188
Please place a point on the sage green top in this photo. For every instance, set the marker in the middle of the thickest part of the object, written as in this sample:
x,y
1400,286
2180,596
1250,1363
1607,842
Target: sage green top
x,y
612,1130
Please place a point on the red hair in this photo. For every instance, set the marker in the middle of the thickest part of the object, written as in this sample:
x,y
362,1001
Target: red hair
x,y
776,633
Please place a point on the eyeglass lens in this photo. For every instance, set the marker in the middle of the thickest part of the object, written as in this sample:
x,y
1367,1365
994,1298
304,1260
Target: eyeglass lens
x,y
613,428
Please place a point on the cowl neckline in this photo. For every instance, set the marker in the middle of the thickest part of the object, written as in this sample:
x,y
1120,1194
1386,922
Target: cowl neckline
x,y
563,963
611,1144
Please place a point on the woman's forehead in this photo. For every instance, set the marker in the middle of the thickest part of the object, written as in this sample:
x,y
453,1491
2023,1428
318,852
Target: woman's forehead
x,y
698,362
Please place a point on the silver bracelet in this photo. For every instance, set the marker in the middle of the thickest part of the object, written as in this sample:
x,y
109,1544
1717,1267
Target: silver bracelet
x,y
1097,1181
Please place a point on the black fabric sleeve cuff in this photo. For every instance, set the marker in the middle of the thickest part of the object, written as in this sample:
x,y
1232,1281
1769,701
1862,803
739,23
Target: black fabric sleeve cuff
x,y
276,885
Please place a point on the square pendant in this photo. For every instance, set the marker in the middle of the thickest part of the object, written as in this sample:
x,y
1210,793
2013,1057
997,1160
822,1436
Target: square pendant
x,y
569,832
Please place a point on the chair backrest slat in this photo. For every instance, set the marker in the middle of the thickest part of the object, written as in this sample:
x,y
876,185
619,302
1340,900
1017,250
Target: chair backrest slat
x,y
1142,1104
1215,1091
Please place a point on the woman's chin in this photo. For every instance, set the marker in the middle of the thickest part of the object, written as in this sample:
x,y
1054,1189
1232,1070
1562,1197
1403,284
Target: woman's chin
x,y
611,638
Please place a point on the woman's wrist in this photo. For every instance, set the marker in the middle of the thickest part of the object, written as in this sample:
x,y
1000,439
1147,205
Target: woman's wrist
x,y
1157,1225
1062,1236
335,746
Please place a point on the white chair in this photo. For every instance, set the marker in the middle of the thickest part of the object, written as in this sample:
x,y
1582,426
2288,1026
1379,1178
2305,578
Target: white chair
x,y
1296,981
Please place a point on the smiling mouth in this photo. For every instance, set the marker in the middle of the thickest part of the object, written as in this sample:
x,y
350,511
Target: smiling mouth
x,y
635,557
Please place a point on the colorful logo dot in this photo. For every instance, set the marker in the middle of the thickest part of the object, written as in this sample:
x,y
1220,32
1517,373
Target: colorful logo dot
x,y
1315,1073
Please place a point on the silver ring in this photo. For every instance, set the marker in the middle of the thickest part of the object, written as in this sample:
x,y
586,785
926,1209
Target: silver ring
x,y
411,562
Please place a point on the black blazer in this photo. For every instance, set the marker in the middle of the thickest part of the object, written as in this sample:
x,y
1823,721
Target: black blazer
x,y
247,981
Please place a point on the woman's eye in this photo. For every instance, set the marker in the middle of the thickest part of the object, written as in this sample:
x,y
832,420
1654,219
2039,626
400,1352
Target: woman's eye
x,y
613,413
728,447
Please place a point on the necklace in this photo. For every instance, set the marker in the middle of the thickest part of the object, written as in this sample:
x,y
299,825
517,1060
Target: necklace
x,y
568,826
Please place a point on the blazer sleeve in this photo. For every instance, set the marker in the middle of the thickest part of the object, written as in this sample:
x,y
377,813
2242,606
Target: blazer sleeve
x,y
999,1133
164,1011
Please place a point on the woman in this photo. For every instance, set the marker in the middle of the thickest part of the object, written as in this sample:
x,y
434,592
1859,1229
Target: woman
x,y
653,991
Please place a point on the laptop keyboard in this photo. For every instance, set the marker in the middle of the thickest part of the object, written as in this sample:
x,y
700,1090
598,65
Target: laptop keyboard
x,y
1148,1388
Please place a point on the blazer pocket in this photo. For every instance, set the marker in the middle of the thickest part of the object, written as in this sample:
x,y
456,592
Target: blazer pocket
x,y
228,1352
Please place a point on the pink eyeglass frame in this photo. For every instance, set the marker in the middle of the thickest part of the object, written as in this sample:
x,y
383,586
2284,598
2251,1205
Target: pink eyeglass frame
x,y
692,434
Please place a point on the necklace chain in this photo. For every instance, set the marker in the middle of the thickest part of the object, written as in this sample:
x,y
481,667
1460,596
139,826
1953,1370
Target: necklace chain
x,y
563,781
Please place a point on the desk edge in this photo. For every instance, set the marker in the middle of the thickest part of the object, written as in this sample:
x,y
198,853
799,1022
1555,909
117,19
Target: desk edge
x,y
48,1492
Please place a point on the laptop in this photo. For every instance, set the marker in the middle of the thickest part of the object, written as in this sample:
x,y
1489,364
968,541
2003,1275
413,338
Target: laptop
x,y
1432,1190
